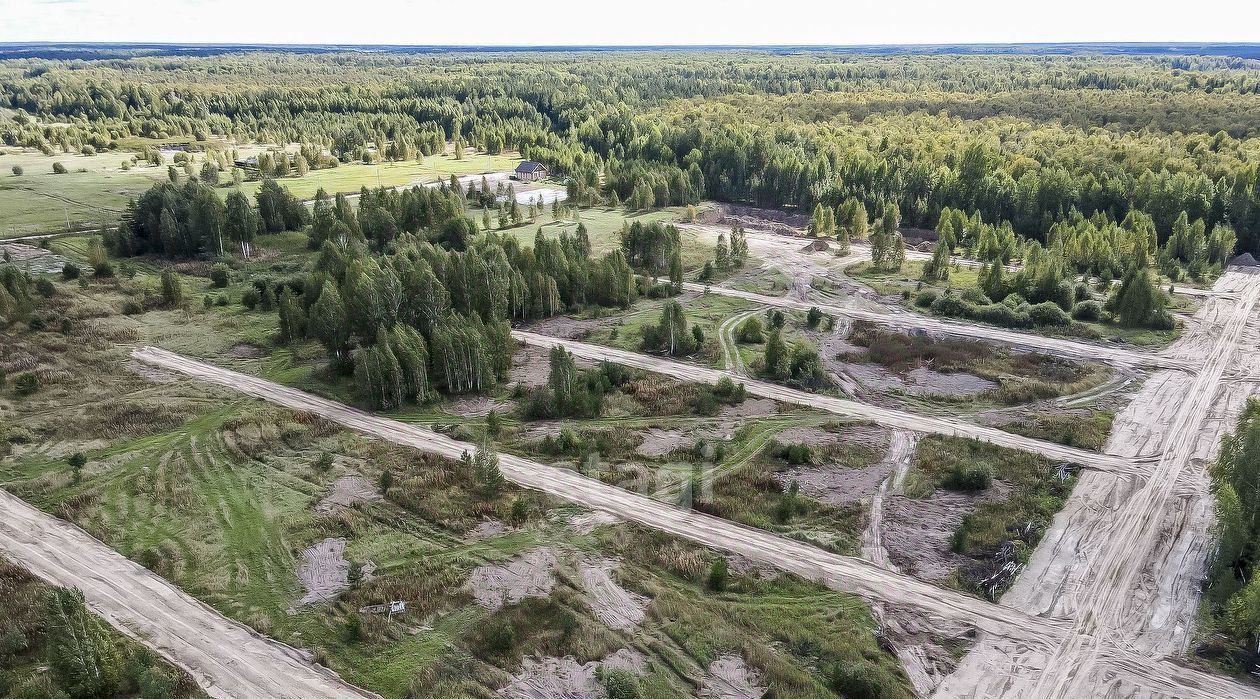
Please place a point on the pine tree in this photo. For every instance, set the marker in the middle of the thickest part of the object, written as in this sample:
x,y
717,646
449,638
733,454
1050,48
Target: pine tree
x,y
81,655
937,269
722,255
776,356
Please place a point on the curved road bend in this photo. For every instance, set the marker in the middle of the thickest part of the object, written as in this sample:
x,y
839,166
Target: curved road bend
x,y
904,320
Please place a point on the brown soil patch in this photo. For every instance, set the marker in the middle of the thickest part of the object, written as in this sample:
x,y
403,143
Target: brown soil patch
x,y
31,259
244,350
588,522
917,531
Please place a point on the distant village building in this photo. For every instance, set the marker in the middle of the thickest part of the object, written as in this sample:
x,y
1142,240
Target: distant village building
x,y
531,170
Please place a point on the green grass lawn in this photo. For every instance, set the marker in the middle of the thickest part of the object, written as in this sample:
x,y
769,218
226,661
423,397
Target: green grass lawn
x,y
349,178
39,201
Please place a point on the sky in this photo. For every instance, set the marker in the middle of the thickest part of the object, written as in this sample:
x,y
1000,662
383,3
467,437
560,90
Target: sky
x,y
639,22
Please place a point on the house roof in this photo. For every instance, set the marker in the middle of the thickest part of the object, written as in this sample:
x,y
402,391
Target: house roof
x,y
530,166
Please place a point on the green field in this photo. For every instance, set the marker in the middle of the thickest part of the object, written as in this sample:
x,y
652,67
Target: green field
x,y
39,201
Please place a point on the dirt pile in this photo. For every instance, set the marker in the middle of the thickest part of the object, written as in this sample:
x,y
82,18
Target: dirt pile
x,y
553,678
346,492
612,604
508,583
325,572
731,678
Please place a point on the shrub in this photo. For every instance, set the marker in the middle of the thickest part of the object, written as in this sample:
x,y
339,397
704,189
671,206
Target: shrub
x,y
219,276
860,681
975,296
59,168
950,305
71,271
104,269
17,170
926,298
1003,315
718,575
250,298
1087,311
620,684
797,454
222,300
26,384
750,331
1048,313
132,308
45,287
969,478
155,683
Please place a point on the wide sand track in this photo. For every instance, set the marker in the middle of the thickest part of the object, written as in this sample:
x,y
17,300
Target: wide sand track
x,y
227,659
839,572
843,407
1125,557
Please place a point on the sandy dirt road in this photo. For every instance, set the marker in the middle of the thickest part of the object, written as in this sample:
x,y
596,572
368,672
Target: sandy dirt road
x,y
226,659
907,320
1124,558
1039,634
843,407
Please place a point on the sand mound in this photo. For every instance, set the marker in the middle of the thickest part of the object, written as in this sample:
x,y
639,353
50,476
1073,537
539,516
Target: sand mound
x,y
553,678
325,572
508,583
347,491
730,678
588,522
614,605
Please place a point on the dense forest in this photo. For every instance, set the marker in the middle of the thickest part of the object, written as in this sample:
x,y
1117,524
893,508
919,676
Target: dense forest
x,y
1032,141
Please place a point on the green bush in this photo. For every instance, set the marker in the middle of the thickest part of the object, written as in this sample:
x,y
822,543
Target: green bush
x,y
250,298
975,296
1048,313
718,575
26,384
219,276
969,478
1087,311
620,684
59,168
926,298
70,271
861,681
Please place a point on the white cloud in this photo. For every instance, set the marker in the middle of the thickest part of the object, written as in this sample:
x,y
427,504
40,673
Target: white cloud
x,y
570,22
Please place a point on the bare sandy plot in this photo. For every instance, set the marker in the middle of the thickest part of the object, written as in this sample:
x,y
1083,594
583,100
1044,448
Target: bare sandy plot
x,y
31,259
614,605
553,678
588,522
347,491
836,485
325,572
486,530
508,583
226,659
731,678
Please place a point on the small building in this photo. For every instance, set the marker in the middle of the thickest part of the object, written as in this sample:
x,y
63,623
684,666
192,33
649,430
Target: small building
x,y
531,170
